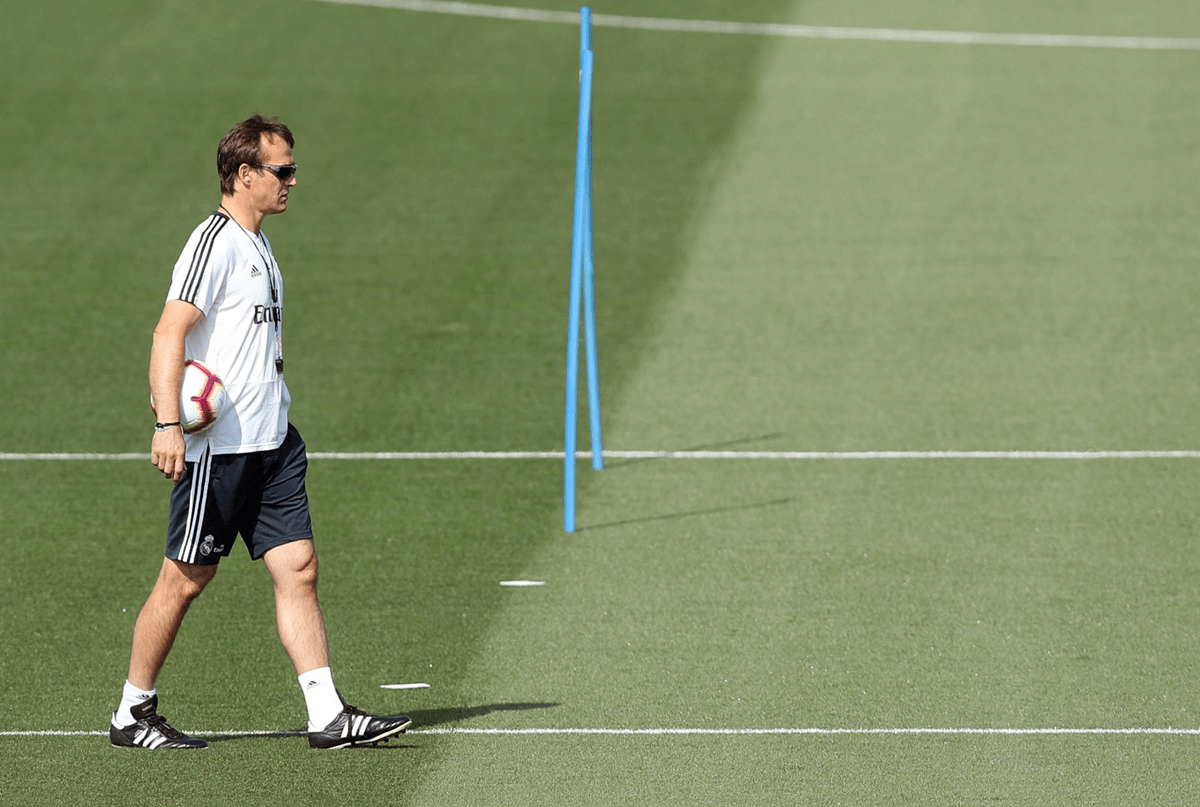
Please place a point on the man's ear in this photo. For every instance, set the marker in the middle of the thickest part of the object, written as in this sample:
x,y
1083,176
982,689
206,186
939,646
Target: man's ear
x,y
243,174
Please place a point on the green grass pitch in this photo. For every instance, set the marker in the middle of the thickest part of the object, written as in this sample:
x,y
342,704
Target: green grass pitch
x,y
801,245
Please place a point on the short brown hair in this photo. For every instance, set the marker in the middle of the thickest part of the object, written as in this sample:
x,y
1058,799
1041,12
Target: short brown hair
x,y
242,147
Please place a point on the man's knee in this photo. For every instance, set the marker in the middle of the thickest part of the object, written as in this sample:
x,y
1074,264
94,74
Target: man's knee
x,y
293,564
184,581
306,573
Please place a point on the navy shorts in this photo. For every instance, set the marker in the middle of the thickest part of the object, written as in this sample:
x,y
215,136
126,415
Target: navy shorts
x,y
260,496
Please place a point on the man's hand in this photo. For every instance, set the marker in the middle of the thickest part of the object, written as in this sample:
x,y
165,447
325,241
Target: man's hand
x,y
168,448
167,452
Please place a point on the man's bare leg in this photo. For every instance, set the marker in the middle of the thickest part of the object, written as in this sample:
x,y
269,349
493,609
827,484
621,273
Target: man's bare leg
x,y
178,585
293,569
136,722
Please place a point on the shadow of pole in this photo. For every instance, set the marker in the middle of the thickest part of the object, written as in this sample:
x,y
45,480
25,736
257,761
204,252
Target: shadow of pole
x,y
707,512
709,447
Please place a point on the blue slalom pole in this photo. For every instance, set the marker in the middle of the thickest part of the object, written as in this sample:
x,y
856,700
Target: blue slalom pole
x,y
589,327
577,261
589,278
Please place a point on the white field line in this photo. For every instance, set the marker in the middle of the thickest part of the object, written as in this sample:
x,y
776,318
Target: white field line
x,y
748,732
813,731
786,30
898,455
37,456
674,455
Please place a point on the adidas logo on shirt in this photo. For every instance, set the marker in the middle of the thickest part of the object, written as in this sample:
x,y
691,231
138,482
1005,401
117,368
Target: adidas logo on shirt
x,y
254,271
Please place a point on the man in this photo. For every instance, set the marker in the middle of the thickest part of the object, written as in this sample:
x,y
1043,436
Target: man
x,y
245,474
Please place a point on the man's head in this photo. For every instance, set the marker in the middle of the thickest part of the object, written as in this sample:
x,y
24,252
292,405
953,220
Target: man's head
x,y
249,160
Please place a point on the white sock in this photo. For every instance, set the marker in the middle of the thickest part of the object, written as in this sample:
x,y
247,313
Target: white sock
x,y
131,696
321,696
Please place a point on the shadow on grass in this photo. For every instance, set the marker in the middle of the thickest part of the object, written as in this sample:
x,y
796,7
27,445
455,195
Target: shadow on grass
x,y
722,446
425,718
707,512
727,444
294,736
301,734
422,718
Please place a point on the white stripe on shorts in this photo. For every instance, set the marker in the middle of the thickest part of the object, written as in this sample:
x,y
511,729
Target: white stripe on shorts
x,y
197,502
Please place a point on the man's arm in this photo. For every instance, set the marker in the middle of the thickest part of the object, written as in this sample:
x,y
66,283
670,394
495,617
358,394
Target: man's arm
x,y
166,377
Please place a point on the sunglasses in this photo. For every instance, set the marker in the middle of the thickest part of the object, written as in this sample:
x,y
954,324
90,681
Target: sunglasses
x,y
284,172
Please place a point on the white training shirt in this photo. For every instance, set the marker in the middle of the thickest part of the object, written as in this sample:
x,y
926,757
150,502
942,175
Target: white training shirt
x,y
231,275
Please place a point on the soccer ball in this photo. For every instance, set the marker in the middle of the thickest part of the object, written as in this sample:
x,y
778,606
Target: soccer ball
x,y
202,398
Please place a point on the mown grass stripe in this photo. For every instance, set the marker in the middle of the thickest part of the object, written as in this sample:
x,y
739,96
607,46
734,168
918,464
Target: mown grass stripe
x,y
789,30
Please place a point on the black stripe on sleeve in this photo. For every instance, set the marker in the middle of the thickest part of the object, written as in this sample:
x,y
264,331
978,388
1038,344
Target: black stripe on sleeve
x,y
195,274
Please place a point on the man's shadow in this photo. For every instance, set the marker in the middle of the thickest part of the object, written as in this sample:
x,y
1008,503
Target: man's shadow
x,y
422,718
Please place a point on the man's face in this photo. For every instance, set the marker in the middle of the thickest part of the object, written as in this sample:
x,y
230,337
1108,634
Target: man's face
x,y
268,193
